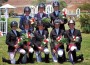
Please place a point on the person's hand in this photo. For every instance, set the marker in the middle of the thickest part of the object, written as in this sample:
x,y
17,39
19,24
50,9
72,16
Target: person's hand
x,y
54,51
25,46
16,46
40,48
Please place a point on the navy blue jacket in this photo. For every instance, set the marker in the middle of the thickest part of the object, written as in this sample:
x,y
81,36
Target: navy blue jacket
x,y
22,20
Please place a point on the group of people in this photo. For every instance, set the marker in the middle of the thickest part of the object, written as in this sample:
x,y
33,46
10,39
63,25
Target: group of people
x,y
39,33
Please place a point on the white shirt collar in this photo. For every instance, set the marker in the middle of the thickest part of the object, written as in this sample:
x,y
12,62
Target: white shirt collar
x,y
15,32
41,15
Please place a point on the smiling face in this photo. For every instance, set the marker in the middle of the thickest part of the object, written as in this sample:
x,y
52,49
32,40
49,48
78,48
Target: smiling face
x,y
14,27
56,8
27,26
41,9
40,27
57,25
27,13
71,25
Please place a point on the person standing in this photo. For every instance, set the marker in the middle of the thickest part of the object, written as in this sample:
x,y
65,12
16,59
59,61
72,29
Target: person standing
x,y
57,14
25,17
41,14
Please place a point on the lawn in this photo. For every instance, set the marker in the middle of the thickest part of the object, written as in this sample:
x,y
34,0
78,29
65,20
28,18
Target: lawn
x,y
85,50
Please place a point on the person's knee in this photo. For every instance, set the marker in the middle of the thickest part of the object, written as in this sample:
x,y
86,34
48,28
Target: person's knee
x,y
60,52
46,51
31,50
22,51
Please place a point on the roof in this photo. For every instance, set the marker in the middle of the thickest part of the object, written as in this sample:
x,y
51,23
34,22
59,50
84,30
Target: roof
x,y
19,3
7,6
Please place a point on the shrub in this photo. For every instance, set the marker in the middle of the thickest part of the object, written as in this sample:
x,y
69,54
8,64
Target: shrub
x,y
2,19
85,23
9,28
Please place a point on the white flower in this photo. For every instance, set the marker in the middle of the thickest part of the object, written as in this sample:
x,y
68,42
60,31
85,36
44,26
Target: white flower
x,y
77,39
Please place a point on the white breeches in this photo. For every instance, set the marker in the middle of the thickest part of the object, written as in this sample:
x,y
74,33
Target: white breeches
x,y
12,57
46,51
73,48
38,56
22,51
60,52
31,50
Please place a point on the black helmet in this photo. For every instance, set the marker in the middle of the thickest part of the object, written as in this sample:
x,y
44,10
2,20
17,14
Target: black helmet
x,y
56,3
71,22
27,22
14,24
41,5
27,9
57,21
39,23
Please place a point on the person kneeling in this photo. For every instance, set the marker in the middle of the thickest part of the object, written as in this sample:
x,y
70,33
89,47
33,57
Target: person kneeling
x,y
56,47
27,45
40,45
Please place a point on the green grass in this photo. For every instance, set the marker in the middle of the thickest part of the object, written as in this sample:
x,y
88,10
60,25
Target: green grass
x,y
85,50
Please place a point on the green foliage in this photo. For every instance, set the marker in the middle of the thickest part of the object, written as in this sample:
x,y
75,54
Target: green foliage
x,y
85,23
46,20
62,4
85,6
9,28
11,13
36,2
41,1
2,19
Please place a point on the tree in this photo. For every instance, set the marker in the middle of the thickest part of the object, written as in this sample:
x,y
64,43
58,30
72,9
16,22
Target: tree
x,y
85,6
35,2
62,4
2,1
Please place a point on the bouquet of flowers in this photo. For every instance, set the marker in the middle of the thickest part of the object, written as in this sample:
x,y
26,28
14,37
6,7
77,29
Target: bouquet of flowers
x,y
26,37
32,21
44,42
61,17
59,41
46,21
75,39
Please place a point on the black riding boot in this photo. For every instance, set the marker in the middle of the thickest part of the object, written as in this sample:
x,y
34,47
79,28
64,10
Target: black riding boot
x,y
20,59
31,58
5,60
80,57
46,58
74,56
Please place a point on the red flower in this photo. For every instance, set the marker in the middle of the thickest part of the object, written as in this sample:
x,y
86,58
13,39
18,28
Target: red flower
x,y
70,45
59,38
32,20
1,33
46,40
29,35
